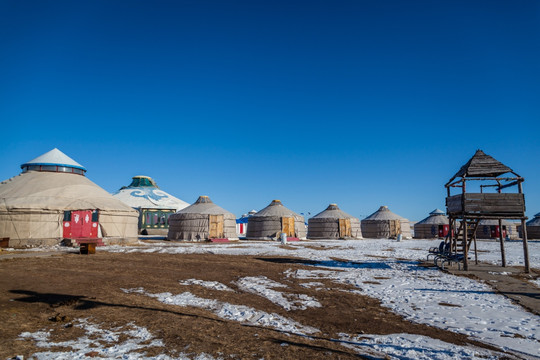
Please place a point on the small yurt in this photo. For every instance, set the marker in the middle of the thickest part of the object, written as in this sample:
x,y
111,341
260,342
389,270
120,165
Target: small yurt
x,y
202,221
435,226
241,223
384,224
489,229
153,204
533,227
333,223
52,199
270,222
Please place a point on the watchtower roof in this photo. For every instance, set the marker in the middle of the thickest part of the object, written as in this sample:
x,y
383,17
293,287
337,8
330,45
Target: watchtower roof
x,y
482,165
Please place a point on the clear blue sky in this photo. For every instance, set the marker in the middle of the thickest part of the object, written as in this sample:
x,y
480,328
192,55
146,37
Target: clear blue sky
x,y
363,103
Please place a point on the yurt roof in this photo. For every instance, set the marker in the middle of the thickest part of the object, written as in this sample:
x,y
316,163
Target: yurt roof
x,y
436,217
36,190
384,214
333,212
482,165
204,205
147,195
54,157
275,208
535,221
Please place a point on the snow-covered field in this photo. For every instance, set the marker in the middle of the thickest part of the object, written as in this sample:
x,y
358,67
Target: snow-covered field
x,y
383,269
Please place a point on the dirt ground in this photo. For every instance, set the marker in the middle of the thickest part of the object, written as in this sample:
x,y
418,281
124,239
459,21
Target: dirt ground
x,y
35,289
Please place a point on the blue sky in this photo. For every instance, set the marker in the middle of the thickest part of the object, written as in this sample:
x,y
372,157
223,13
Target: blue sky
x,y
363,103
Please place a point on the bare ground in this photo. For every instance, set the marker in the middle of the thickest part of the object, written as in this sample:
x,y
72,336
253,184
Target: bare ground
x,y
34,290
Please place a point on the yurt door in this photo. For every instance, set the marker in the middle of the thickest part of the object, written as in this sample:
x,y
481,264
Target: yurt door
x,y
287,225
443,230
81,224
345,228
395,228
216,227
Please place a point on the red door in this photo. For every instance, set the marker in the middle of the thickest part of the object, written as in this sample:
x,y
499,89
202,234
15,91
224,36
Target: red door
x,y
80,224
443,230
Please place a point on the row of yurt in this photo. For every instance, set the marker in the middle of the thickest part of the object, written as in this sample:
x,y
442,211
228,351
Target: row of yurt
x,y
52,199
489,229
154,205
385,224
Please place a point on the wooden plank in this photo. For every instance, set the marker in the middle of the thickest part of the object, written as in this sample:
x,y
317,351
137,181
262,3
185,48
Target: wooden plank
x,y
287,225
345,228
215,226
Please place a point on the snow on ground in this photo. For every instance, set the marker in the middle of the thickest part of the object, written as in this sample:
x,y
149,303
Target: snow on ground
x,y
489,251
214,285
407,346
240,313
262,286
101,343
431,297
386,270
422,295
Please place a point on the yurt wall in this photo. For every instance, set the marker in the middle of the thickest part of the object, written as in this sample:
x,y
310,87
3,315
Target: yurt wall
x,y
270,222
202,221
385,224
334,223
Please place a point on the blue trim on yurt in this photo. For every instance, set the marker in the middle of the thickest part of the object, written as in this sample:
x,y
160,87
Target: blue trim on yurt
x,y
54,164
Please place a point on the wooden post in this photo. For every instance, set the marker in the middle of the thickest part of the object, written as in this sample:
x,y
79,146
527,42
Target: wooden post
x,y
465,260
501,240
525,246
524,235
475,250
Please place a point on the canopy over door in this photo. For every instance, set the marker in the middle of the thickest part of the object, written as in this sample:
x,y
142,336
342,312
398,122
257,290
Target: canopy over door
x,y
287,225
216,226
345,228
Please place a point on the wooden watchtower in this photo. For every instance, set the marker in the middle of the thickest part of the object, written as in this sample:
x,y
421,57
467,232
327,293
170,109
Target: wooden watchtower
x,y
484,175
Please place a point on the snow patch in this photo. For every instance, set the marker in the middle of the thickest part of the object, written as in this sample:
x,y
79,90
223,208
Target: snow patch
x,y
408,346
240,313
97,339
262,286
214,285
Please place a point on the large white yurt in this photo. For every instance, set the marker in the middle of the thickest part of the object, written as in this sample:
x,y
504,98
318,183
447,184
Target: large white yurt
x,y
489,229
384,224
533,227
52,199
202,221
270,222
435,226
333,223
153,204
